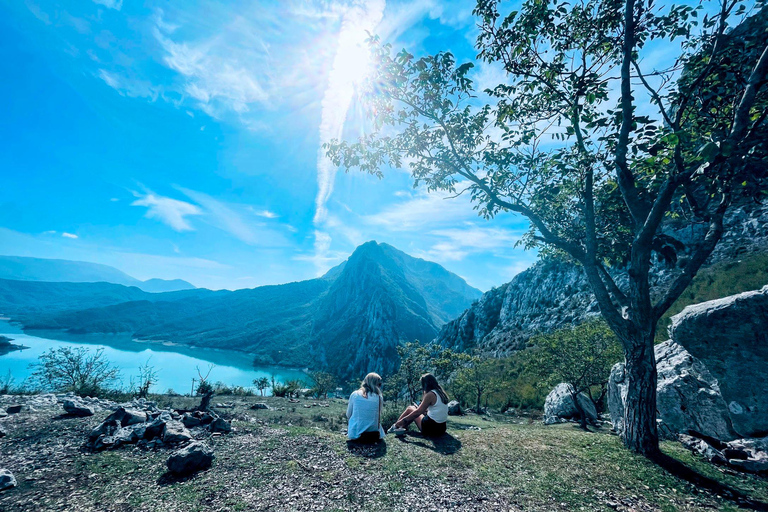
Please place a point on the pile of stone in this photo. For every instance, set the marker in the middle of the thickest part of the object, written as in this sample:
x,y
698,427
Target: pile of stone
x,y
153,428
749,454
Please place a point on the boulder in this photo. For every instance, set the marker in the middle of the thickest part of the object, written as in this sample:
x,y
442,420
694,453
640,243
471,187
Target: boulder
x,y
7,480
127,435
105,428
688,396
730,337
76,408
132,416
220,425
193,457
154,429
190,421
259,405
454,408
559,406
175,433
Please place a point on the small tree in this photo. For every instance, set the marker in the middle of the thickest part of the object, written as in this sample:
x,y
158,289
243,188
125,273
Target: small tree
x,y
476,379
147,379
581,357
261,384
204,388
323,383
76,369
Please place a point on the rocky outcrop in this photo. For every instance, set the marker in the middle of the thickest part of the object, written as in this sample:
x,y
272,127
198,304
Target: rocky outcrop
x,y
194,457
77,408
688,396
730,337
559,406
554,294
7,480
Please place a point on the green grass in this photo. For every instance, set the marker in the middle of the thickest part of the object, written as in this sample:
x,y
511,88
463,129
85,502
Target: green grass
x,y
499,462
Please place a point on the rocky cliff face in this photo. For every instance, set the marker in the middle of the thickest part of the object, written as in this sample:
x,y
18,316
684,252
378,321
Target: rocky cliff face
x,y
554,294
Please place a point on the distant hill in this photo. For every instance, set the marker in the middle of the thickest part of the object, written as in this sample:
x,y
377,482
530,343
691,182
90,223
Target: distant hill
x,y
349,321
21,268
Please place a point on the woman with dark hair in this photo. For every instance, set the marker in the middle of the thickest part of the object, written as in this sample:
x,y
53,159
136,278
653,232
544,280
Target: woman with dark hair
x,y
431,415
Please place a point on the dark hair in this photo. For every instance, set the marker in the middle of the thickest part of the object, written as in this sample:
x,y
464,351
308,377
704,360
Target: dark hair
x,y
429,383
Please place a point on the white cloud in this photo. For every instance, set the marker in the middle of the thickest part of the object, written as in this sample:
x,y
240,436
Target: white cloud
x,y
69,235
130,87
110,4
37,12
264,213
219,73
455,244
224,217
170,211
49,232
422,210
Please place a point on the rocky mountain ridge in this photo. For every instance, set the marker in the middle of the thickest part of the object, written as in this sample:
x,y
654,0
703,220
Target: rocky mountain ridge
x,y
554,294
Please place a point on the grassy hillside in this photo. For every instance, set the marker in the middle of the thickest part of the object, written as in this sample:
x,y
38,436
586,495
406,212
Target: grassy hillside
x,y
295,457
719,280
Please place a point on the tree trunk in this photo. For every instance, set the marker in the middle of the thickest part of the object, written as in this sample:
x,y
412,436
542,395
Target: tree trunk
x,y
579,409
640,433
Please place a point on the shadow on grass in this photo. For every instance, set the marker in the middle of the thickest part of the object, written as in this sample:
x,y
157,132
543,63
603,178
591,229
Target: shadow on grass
x,y
681,470
169,478
369,450
445,444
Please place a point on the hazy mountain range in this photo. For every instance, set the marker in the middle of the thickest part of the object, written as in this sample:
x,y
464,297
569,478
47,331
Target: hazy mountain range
x,y
49,270
349,321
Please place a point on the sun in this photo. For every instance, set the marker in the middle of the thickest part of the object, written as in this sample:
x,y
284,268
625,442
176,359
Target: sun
x,y
352,64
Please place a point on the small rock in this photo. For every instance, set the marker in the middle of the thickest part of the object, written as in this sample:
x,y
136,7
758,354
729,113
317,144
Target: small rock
x,y
77,409
7,480
190,421
13,409
175,433
154,429
3,433
454,408
132,416
3,414
220,425
103,442
126,435
193,457
260,406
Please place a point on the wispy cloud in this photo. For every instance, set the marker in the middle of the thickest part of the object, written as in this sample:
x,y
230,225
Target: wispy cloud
x,y
422,210
110,4
224,216
172,212
129,86
69,235
455,244
264,213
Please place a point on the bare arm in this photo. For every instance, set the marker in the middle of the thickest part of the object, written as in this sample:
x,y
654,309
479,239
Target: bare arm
x,y
349,407
426,401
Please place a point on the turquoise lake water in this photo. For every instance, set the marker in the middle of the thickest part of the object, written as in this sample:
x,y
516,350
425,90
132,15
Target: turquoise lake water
x,y
175,365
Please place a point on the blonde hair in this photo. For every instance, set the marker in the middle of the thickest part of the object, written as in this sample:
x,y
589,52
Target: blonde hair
x,y
371,384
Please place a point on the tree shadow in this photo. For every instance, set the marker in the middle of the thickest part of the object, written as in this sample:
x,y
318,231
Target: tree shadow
x,y
687,473
367,449
445,444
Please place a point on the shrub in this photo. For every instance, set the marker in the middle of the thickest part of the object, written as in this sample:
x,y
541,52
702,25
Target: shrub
x,y
76,369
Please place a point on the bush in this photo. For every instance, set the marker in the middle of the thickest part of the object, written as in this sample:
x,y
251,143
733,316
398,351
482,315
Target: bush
x,y
389,415
76,369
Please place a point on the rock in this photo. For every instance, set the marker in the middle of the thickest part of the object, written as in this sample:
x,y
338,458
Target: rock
x,y
175,433
730,337
207,418
194,457
751,465
128,435
3,433
103,442
13,409
259,405
133,416
77,408
105,428
154,429
559,406
220,425
7,480
688,396
190,421
454,408
3,414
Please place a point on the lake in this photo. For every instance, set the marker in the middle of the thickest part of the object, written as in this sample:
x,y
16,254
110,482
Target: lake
x,y
175,365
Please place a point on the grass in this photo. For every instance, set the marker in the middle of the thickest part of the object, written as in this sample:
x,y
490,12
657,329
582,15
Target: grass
x,y
288,458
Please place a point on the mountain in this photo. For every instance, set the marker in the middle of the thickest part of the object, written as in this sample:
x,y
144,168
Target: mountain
x,y
21,268
348,321
554,294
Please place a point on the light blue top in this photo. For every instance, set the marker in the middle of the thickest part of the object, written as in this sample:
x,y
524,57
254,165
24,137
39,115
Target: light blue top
x,y
364,414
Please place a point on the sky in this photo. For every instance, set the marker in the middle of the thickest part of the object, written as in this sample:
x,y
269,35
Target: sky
x,y
183,140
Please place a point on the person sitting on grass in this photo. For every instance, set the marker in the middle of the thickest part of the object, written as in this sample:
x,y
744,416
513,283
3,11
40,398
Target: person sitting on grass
x,y
431,415
364,411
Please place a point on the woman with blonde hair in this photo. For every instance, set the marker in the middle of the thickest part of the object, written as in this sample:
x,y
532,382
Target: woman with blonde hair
x,y
364,411
431,415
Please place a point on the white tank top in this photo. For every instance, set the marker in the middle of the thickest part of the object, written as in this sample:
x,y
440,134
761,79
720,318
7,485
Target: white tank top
x,y
439,410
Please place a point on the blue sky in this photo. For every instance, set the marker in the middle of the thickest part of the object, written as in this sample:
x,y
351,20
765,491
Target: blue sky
x,y
181,140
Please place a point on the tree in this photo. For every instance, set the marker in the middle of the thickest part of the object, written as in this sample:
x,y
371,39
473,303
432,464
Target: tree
x,y
75,369
476,377
261,384
323,383
580,356
602,185
147,379
204,388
